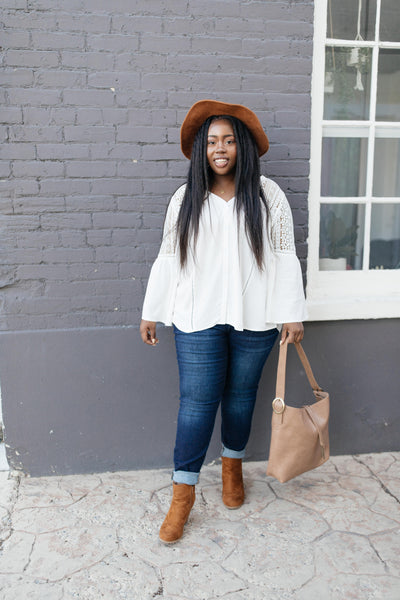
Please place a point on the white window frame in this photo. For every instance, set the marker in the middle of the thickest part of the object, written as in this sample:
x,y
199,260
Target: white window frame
x,y
356,294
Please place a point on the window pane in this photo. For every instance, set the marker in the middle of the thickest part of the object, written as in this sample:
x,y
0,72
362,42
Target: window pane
x,y
385,237
343,19
341,237
386,167
347,83
344,164
388,95
390,25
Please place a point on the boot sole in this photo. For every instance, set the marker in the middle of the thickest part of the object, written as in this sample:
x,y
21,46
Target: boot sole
x,y
169,543
233,507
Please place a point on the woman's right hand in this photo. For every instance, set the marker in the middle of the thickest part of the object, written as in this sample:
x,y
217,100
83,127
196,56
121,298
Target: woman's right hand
x,y
148,332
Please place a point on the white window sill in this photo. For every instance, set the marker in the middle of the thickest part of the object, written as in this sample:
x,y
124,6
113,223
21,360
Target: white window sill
x,y
355,308
336,295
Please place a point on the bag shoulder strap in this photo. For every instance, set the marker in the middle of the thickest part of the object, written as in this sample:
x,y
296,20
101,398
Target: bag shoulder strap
x,y
281,373
307,367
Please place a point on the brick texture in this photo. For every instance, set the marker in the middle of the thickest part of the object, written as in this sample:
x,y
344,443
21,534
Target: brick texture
x,y
93,94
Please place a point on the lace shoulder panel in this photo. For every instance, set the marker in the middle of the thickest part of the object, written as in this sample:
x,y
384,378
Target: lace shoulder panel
x,y
280,214
168,244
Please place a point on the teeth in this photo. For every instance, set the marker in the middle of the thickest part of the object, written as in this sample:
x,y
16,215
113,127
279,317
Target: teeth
x,y
221,161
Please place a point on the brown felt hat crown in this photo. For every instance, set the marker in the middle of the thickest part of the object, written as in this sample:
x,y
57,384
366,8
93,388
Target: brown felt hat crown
x,y
203,109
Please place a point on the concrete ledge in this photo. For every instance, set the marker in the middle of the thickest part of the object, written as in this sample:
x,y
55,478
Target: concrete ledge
x,y
93,400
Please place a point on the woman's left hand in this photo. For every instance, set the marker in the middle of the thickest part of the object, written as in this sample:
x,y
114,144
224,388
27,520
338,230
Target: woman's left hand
x,y
292,332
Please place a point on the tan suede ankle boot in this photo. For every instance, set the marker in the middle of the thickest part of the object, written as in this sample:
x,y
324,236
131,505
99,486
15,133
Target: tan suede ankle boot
x,y
232,482
182,501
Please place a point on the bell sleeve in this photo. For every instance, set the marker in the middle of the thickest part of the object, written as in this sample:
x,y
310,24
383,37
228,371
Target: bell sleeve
x,y
286,301
163,280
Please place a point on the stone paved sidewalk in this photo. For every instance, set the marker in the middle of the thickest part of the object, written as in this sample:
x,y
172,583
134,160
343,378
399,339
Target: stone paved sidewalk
x,y
333,534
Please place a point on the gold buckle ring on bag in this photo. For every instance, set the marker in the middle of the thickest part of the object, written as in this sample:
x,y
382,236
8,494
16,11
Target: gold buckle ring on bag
x,y
278,405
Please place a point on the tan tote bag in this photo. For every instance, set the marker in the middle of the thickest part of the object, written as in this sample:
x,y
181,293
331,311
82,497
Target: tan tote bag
x,y
299,436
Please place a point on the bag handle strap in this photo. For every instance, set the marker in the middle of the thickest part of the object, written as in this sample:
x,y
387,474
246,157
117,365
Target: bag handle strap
x,y
281,373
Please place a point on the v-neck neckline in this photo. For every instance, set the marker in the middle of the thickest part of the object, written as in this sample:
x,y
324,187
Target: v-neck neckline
x,y
223,199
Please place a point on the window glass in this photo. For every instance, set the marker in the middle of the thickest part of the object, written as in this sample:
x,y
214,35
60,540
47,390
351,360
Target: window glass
x,y
351,19
390,21
344,163
386,167
385,237
347,83
388,92
341,237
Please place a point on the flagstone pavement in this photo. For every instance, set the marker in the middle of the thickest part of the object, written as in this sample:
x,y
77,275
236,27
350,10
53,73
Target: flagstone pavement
x,y
331,534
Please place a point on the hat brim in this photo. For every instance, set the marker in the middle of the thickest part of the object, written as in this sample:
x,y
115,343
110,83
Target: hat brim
x,y
203,109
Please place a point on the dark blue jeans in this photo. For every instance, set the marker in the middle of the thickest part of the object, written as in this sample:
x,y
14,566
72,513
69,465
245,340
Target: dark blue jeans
x,y
217,366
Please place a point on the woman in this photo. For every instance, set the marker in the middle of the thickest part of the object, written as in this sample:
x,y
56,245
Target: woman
x,y
227,278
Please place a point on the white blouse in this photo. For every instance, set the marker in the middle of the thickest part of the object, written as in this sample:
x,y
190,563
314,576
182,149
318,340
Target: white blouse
x,y
221,283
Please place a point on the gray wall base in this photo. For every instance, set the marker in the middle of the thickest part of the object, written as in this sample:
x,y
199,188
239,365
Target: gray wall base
x,y
92,400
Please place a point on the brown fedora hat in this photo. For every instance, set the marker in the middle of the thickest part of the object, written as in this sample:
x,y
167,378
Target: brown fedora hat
x,y
203,109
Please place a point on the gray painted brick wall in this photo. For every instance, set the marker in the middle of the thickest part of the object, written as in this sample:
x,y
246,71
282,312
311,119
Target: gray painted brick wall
x,y
92,95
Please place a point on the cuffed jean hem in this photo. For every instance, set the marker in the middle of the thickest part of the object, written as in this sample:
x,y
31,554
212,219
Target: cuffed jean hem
x,y
232,453
185,477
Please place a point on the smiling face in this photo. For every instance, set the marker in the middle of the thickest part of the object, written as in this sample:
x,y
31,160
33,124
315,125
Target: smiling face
x,y
221,147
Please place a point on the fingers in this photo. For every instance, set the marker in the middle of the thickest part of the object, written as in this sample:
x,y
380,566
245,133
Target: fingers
x,y
148,333
300,334
150,337
292,332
